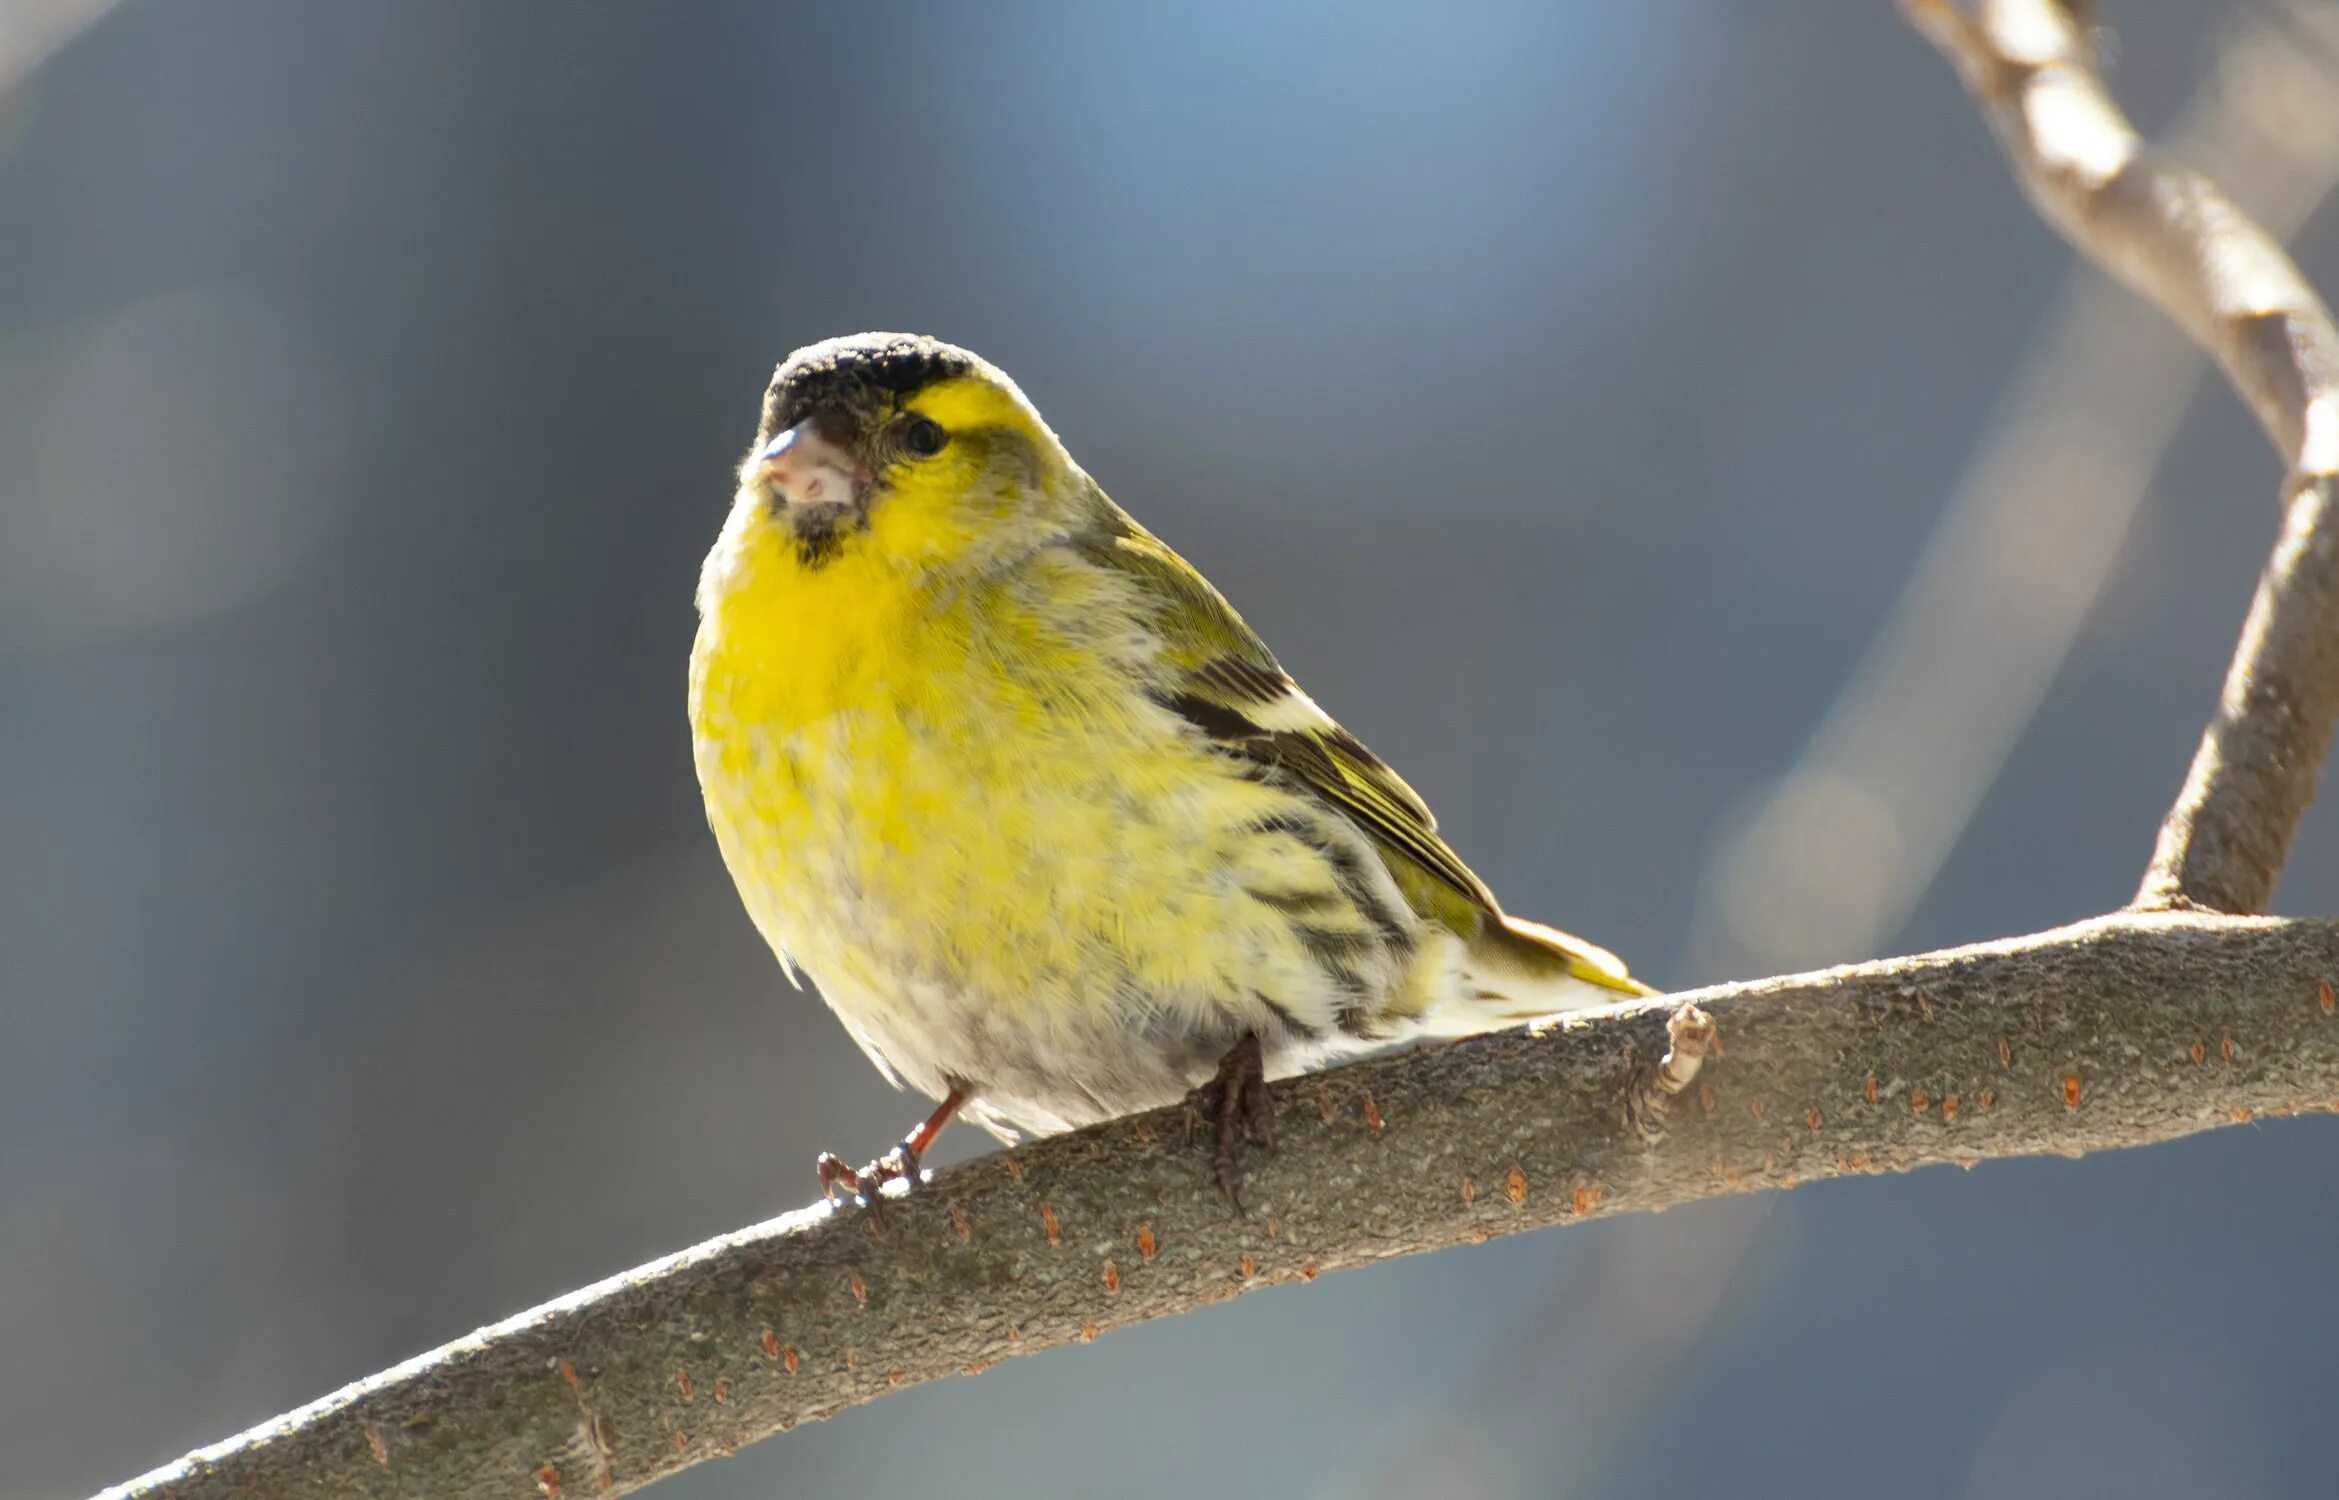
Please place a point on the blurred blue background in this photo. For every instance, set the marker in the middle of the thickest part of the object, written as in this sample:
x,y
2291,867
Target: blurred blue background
x,y
1566,391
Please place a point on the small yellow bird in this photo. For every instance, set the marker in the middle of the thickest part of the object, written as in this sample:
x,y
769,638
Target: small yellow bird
x,y
1054,834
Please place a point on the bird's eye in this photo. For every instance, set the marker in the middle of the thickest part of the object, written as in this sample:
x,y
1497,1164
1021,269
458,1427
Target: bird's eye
x,y
924,437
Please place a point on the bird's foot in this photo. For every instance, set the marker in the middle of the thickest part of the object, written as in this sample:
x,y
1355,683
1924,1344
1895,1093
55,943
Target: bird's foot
x,y
1235,1103
865,1183
901,1162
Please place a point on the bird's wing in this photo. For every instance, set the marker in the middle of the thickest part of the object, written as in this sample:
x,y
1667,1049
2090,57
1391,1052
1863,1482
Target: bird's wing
x,y
1222,679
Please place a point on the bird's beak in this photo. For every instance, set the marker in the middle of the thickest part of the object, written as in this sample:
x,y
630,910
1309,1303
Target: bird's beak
x,y
800,468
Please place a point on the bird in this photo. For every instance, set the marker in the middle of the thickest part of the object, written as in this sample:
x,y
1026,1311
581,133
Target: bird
x,y
1052,831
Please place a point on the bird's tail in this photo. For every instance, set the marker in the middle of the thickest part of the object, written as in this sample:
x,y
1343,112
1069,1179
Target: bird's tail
x,y
1515,970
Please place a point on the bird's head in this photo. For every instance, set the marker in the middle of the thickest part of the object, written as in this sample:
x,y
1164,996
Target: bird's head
x,y
902,451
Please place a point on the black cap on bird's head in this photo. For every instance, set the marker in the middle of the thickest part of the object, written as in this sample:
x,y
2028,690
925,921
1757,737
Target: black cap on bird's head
x,y
856,382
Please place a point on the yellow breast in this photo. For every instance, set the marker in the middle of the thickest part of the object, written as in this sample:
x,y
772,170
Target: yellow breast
x,y
962,790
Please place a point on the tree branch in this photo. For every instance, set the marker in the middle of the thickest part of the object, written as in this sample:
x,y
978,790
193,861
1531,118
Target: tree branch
x,y
2117,1032
2174,239
1898,766
2129,1029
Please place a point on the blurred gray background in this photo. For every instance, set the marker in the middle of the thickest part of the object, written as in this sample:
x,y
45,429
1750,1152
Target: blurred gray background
x,y
1567,391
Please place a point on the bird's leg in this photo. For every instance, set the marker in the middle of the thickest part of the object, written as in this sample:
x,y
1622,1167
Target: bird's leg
x,y
1235,1102
901,1161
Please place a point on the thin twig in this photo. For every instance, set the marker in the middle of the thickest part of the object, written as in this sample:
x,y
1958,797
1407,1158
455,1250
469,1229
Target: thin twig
x,y
33,31
2020,556
2117,1032
2173,238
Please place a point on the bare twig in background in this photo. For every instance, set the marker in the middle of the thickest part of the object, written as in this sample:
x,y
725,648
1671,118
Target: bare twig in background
x,y
2176,240
32,31
2133,1028
1842,848
2224,842
2126,1030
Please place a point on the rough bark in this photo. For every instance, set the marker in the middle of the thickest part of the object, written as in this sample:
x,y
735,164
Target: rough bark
x,y
2116,1032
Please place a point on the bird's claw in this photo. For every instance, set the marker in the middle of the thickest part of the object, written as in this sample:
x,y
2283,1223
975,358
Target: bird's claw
x,y
1236,1104
865,1184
